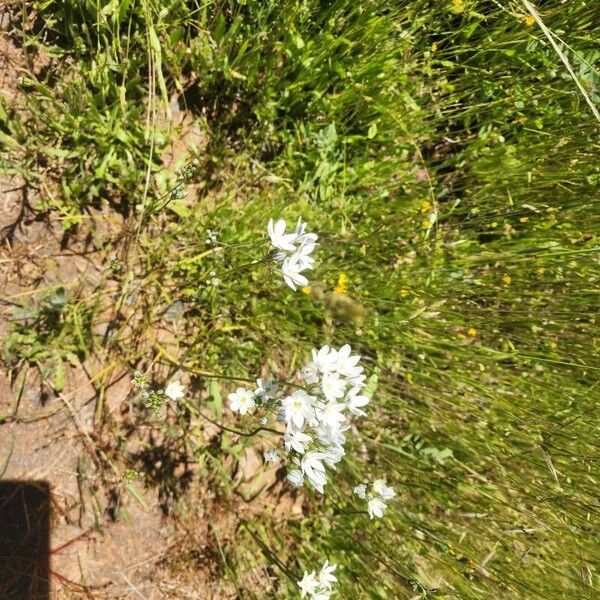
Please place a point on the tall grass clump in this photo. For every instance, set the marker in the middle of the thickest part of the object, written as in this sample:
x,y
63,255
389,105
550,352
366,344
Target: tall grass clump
x,y
447,161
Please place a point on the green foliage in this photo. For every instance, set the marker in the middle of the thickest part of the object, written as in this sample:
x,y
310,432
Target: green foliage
x,y
50,333
449,165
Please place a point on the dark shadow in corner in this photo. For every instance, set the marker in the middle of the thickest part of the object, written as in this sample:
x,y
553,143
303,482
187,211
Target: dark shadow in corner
x,y
24,540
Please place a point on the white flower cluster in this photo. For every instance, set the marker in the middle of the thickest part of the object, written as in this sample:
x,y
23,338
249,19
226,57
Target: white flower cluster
x,y
316,422
156,398
316,416
376,498
293,250
244,401
318,587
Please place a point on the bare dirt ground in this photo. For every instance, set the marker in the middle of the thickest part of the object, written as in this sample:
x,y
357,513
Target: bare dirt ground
x,y
49,438
109,538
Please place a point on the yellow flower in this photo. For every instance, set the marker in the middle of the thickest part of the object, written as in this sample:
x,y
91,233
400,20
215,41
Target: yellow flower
x,y
472,331
524,219
306,290
506,279
434,47
458,6
341,288
404,293
529,20
425,206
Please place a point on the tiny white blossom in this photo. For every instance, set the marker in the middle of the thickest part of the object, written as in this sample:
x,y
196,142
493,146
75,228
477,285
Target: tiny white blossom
x,y
265,389
294,250
326,576
292,273
331,435
325,358
355,401
280,239
376,507
361,491
310,373
331,415
332,455
296,440
346,364
242,401
333,386
357,382
301,236
313,468
303,258
298,408
271,456
296,478
175,390
382,489
309,584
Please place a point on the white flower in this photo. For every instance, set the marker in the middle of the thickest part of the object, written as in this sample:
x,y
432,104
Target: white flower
x,y
175,390
301,236
346,364
303,258
294,250
309,584
265,389
271,456
298,408
358,381
280,239
383,490
296,440
354,402
333,386
296,478
331,415
326,576
291,269
310,373
331,435
332,455
242,401
313,468
376,507
361,491
325,358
